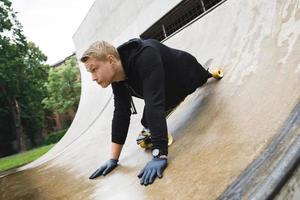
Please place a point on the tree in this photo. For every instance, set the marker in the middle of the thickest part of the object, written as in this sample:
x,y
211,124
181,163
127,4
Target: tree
x,y
12,45
22,77
33,91
63,88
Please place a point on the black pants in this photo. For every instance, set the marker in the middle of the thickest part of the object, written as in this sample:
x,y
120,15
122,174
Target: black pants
x,y
204,77
168,111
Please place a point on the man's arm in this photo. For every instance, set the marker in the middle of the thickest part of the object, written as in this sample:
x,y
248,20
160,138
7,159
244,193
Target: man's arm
x,y
120,125
152,73
116,150
122,113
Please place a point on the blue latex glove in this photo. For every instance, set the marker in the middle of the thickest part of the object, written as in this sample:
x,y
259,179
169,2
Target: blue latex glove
x,y
105,169
153,169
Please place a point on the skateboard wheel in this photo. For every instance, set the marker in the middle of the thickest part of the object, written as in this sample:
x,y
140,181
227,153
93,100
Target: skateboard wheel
x,y
145,145
170,139
218,74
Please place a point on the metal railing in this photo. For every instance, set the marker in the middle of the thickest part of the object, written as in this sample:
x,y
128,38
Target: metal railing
x,y
185,12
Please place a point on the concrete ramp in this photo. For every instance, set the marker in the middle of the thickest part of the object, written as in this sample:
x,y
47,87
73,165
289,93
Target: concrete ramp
x,y
234,139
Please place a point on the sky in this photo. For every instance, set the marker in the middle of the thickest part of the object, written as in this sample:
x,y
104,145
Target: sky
x,y
50,24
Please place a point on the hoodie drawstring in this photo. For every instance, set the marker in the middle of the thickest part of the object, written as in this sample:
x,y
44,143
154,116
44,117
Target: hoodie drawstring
x,y
132,108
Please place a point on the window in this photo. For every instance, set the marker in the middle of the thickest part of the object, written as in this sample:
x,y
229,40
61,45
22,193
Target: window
x,y
182,14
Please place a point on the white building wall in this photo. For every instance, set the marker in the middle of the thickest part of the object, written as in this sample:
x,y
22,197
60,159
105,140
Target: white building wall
x,y
118,21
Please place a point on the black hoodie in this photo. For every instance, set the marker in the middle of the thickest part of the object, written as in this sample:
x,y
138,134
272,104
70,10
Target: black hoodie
x,y
160,75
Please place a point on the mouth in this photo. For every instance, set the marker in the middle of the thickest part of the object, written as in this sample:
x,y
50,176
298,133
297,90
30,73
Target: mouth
x,y
100,83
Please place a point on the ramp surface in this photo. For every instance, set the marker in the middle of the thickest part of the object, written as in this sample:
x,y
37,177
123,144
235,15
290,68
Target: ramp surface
x,y
219,130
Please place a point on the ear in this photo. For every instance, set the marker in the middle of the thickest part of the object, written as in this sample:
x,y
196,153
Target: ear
x,y
110,58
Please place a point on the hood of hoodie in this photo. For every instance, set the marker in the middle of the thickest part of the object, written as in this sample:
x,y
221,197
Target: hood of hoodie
x,y
128,52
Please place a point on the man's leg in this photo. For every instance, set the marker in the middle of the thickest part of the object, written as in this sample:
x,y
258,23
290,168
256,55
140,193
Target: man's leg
x,y
168,112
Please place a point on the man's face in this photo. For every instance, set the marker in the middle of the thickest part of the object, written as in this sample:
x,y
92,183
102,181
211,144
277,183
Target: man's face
x,y
102,71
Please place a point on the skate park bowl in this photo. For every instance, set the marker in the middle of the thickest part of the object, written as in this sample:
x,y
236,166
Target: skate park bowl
x,y
236,138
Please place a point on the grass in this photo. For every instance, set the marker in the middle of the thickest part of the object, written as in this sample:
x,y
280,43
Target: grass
x,y
23,158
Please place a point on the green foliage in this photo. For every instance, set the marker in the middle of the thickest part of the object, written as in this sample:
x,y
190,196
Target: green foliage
x,y
23,83
5,22
22,75
63,87
33,91
54,137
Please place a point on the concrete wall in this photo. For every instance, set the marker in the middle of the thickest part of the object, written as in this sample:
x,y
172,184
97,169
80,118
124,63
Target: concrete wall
x,y
119,21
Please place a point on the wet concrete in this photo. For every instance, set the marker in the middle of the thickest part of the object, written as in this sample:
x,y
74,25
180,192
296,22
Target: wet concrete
x,y
264,177
219,130
42,183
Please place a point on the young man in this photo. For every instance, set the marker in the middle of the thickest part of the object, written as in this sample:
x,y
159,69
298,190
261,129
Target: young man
x,y
146,69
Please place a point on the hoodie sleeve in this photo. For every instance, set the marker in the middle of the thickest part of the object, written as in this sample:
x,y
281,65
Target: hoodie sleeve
x,y
150,68
122,113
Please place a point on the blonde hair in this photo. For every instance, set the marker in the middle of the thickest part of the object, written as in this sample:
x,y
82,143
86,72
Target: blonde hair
x,y
100,50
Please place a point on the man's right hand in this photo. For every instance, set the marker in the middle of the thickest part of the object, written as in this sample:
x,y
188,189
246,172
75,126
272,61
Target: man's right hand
x,y
105,169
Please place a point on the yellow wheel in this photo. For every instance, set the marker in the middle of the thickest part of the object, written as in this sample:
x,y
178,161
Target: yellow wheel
x,y
142,144
218,74
170,139
145,145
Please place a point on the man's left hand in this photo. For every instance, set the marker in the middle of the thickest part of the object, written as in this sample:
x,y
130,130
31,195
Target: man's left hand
x,y
153,168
